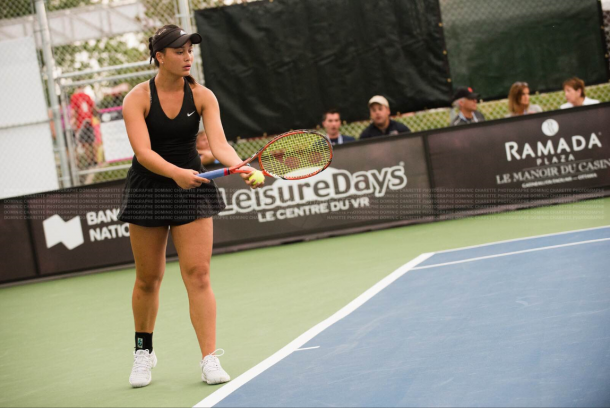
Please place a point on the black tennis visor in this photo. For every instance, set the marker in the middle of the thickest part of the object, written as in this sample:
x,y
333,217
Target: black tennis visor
x,y
174,38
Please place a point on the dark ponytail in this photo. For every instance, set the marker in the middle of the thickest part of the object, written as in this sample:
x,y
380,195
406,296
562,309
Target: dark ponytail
x,y
153,53
150,48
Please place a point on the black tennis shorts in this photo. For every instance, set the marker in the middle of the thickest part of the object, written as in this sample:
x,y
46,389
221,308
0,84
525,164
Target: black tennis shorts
x,y
158,201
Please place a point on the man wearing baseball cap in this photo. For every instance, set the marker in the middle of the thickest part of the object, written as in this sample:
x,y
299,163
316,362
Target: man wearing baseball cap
x,y
465,101
381,124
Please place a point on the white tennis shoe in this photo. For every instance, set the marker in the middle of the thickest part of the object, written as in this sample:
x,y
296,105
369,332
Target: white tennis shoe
x,y
211,371
143,363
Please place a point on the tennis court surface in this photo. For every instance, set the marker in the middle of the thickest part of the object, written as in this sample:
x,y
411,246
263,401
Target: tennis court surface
x,y
516,323
529,328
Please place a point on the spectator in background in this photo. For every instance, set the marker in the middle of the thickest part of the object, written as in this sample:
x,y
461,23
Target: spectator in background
x,y
381,125
82,108
519,100
203,147
574,90
331,122
465,101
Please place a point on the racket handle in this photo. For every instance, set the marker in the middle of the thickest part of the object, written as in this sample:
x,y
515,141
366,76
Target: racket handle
x,y
210,175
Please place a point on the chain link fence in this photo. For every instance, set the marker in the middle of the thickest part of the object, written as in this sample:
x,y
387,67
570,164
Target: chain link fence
x,y
16,8
100,52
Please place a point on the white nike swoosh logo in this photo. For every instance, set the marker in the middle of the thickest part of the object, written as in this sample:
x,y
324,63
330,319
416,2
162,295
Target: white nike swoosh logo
x,y
189,114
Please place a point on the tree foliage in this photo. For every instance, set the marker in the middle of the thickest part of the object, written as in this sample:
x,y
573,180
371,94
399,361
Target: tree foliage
x,y
20,8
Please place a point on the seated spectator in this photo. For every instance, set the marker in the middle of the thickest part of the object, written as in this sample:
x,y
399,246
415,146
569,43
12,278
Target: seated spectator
x,y
331,122
465,100
203,147
519,100
381,125
574,90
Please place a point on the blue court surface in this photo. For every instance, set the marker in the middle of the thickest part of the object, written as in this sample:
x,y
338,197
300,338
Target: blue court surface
x,y
512,324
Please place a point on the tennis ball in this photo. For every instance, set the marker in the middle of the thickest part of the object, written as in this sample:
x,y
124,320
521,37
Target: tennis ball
x,y
258,177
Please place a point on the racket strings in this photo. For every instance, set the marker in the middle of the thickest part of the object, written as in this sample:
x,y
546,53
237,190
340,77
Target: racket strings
x,y
296,155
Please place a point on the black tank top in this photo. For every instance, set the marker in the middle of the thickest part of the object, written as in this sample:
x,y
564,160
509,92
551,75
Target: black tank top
x,y
173,139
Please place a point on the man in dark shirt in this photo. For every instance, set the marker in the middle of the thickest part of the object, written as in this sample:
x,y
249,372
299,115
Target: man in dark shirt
x,y
465,101
381,124
331,122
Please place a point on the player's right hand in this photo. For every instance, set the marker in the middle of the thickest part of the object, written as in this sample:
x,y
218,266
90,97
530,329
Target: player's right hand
x,y
187,179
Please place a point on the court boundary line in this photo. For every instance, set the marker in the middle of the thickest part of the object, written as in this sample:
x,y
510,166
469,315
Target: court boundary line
x,y
521,239
510,253
291,347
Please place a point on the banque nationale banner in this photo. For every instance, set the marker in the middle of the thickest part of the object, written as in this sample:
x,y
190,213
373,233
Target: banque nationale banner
x,y
78,229
367,183
16,254
539,156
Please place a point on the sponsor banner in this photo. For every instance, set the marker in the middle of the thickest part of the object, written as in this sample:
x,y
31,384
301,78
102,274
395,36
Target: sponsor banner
x,y
366,184
78,229
16,254
520,160
114,135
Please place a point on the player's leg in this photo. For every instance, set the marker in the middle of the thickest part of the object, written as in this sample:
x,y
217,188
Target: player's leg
x,y
148,245
193,242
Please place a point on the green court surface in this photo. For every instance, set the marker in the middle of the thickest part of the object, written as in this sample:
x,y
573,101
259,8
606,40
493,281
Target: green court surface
x,y
69,342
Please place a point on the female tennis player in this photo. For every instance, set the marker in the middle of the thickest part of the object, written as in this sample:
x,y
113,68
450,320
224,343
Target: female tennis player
x,y
163,193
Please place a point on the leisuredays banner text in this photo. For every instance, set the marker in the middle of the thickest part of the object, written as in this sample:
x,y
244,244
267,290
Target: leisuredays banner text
x,y
367,183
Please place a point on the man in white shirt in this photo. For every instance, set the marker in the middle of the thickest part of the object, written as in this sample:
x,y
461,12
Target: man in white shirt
x,y
574,90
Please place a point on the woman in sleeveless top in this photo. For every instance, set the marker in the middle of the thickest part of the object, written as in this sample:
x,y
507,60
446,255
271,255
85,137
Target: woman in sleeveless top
x,y
163,193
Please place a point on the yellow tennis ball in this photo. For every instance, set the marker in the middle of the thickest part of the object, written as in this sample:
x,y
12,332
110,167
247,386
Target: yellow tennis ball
x,y
258,177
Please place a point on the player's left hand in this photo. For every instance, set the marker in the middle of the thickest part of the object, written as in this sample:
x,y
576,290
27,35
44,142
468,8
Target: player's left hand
x,y
246,177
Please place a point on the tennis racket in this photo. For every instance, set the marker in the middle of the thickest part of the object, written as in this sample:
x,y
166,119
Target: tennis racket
x,y
293,155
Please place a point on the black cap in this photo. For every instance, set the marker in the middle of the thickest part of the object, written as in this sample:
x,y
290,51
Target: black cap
x,y
465,92
172,38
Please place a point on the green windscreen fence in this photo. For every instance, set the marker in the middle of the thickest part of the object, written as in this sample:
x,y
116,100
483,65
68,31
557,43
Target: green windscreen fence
x,y
494,43
279,65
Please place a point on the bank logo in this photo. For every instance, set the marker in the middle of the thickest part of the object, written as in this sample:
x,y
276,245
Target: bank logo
x,y
550,127
69,233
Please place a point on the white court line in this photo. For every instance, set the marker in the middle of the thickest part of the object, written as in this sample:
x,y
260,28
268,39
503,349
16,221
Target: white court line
x,y
521,239
308,348
511,253
227,389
